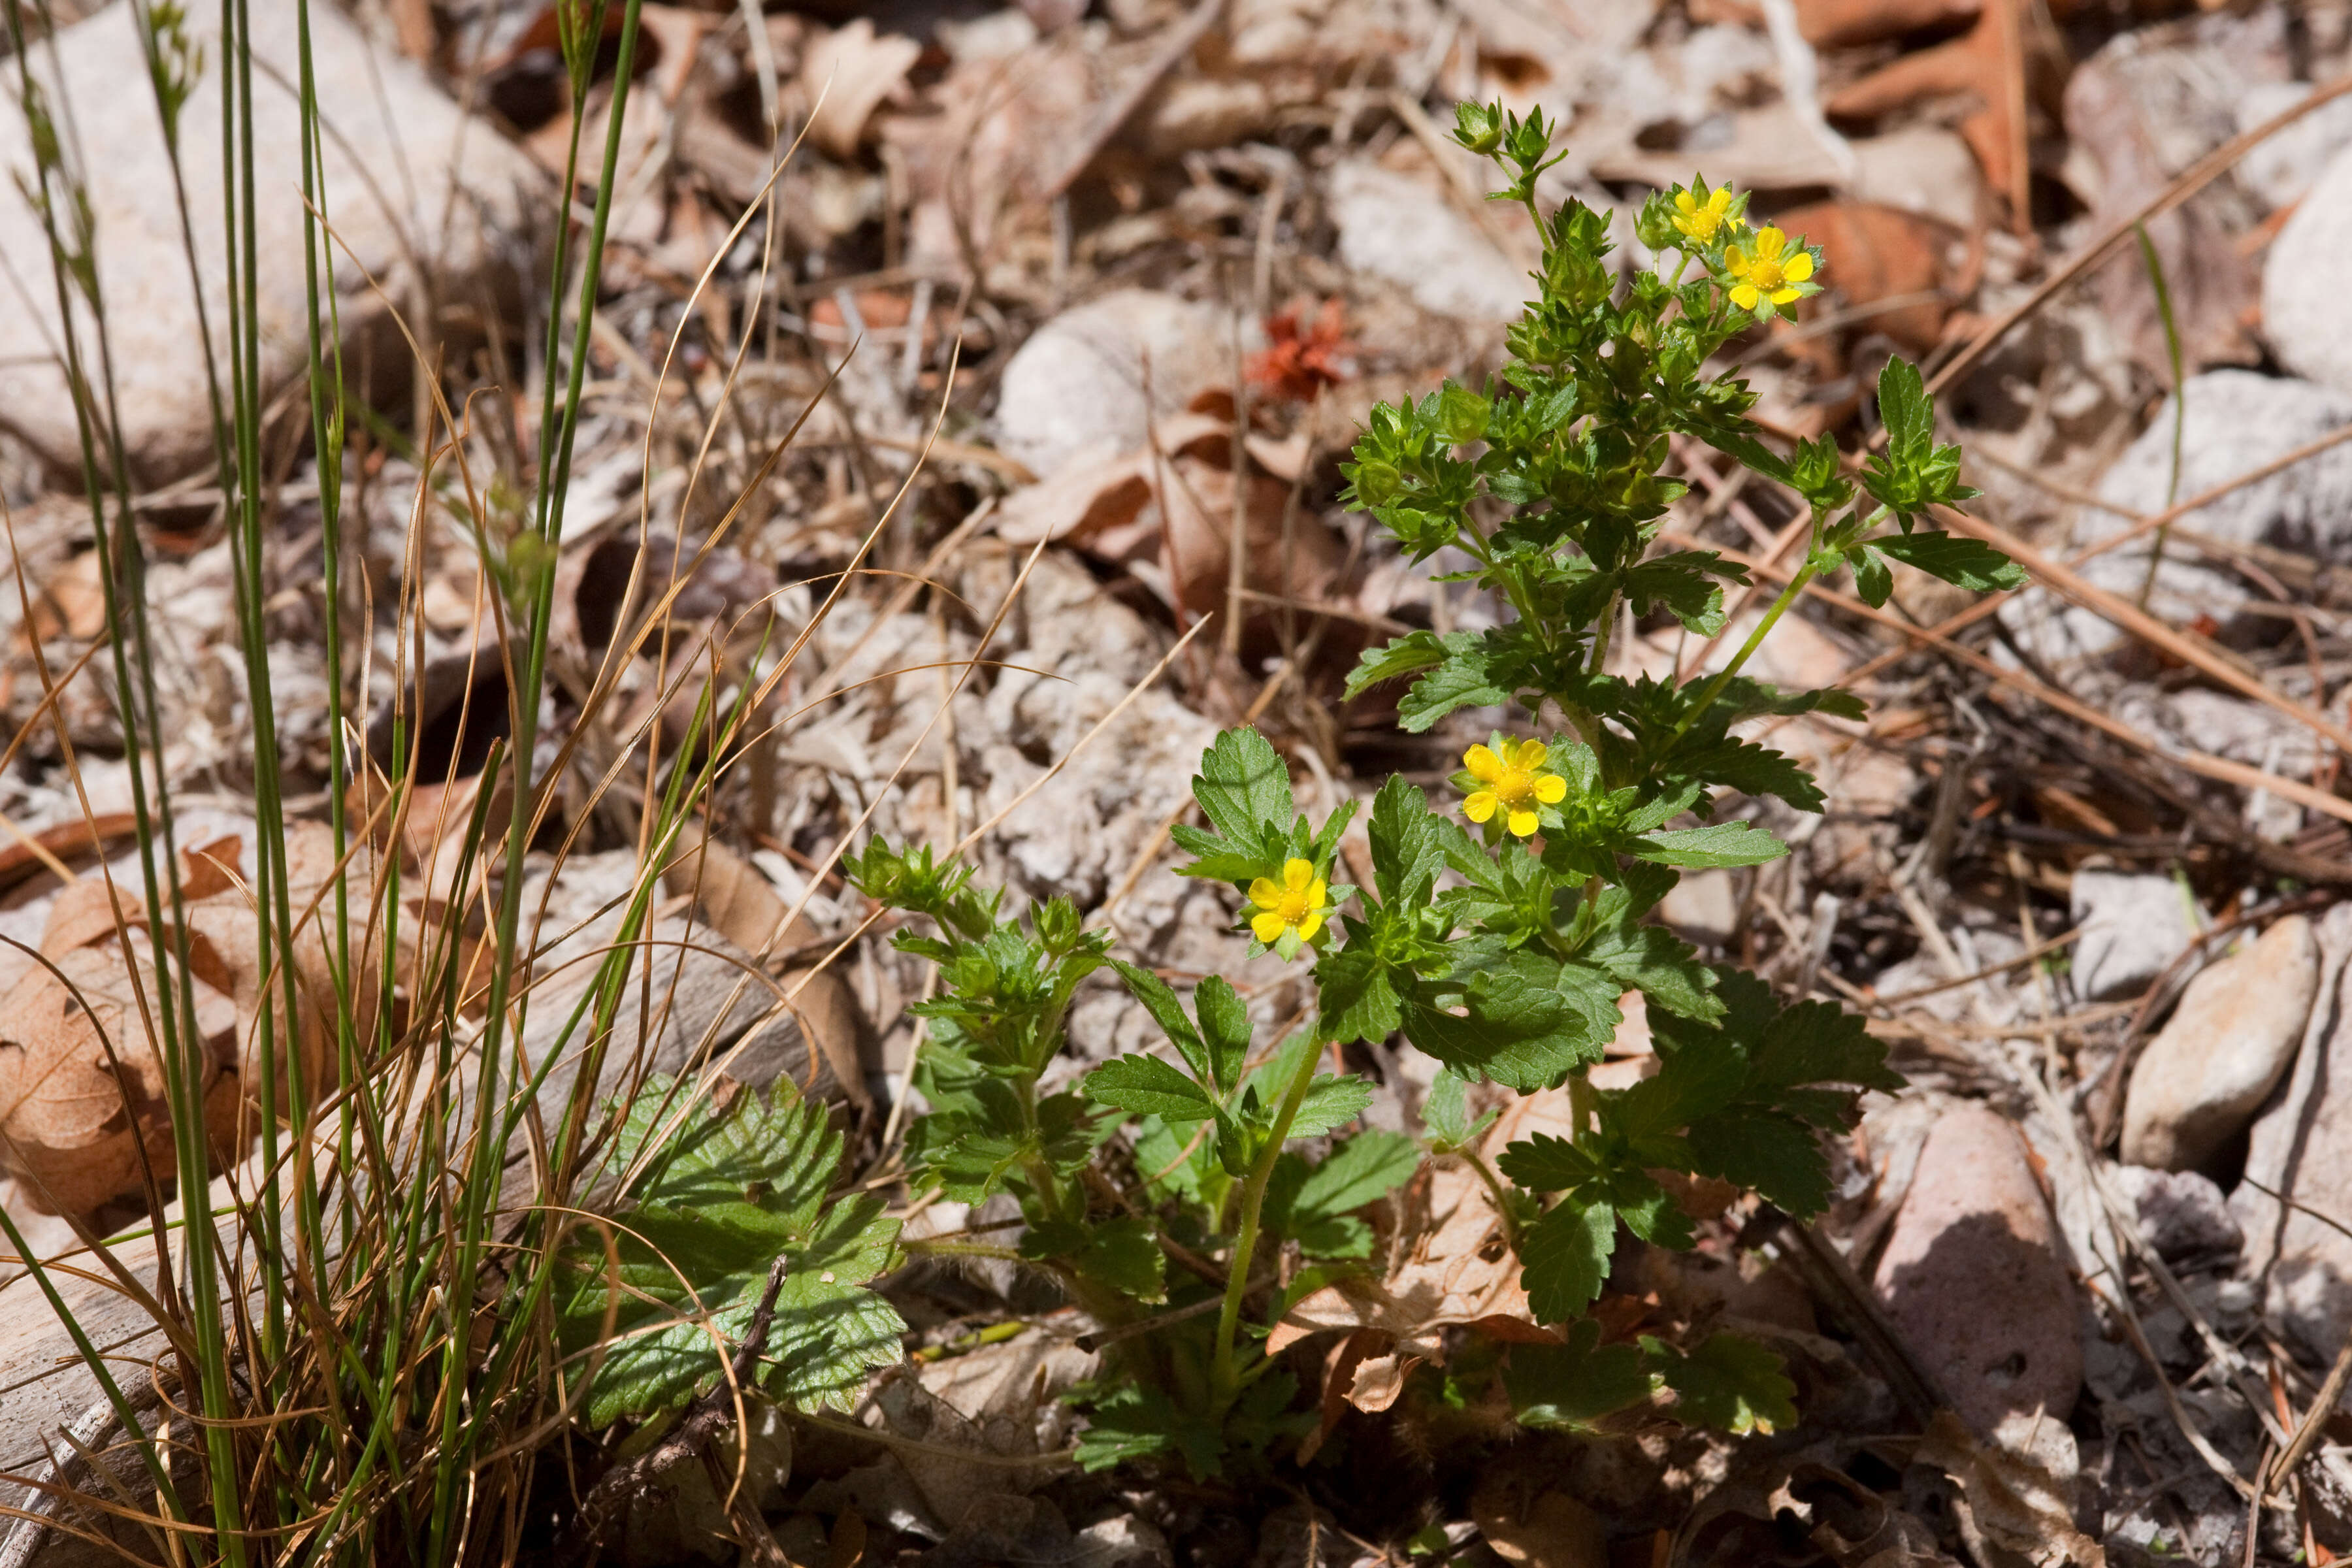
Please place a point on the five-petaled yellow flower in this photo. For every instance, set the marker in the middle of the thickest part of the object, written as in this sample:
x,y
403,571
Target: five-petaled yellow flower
x,y
1768,270
1516,784
1295,903
1703,221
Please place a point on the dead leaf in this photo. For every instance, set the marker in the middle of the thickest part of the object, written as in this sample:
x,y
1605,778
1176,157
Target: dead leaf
x,y
2016,1503
1302,356
855,68
1541,1528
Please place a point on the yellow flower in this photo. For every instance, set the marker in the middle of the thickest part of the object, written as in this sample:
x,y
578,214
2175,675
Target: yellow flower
x,y
1765,271
1295,903
1516,785
1703,222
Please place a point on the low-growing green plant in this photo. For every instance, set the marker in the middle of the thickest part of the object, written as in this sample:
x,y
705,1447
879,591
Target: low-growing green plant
x,y
1498,944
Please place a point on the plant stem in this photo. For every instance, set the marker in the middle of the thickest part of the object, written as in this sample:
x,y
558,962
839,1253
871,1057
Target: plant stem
x,y
1224,1382
1494,1191
1755,640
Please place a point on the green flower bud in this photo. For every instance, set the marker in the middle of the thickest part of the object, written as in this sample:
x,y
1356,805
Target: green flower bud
x,y
1478,127
1462,414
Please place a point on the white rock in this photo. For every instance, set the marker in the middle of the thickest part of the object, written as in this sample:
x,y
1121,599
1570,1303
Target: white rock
x,y
2181,1214
1404,232
2132,927
1078,384
2306,309
2236,421
2284,167
2227,1045
458,186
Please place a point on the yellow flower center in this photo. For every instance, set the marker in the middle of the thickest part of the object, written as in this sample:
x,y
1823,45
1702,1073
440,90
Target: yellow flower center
x,y
1516,789
1766,273
1293,906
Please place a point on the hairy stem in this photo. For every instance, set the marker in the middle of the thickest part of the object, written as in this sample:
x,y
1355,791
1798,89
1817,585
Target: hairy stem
x,y
1224,1380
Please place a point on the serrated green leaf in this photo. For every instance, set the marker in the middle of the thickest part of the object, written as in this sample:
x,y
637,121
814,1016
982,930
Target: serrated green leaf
x,y
1717,844
1122,1252
1469,676
1224,1027
1445,1112
1146,1086
1728,1382
1658,964
1409,653
1873,582
1244,788
1356,998
1135,1423
1729,762
1407,851
1527,1021
1963,562
1571,1387
1905,410
1331,1101
1565,1258
1159,1000
1362,1170
717,1201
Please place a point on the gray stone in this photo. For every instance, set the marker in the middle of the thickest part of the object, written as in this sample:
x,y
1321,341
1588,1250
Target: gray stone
x,y
2285,168
458,188
2227,1045
1972,1276
2301,1147
1402,231
2181,1214
1077,385
2235,421
2132,927
1703,907
2306,309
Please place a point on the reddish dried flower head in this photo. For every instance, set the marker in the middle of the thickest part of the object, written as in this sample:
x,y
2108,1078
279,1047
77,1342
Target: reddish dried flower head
x,y
1301,359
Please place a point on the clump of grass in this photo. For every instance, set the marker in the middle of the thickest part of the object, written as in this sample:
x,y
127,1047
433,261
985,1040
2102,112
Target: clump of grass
x,y
361,1319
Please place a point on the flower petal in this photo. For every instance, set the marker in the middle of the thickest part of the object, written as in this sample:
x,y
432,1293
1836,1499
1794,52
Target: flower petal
x,y
1551,789
1297,874
1524,822
1484,764
1480,807
1719,202
1266,926
1684,200
1531,754
1768,241
1265,892
1745,295
1800,267
1783,296
1318,893
1311,925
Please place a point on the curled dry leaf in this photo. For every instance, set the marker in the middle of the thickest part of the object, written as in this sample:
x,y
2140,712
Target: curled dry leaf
x,y
82,1087
855,68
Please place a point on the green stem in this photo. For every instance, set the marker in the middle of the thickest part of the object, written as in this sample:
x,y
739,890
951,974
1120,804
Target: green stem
x,y
1755,640
1494,1191
1224,1382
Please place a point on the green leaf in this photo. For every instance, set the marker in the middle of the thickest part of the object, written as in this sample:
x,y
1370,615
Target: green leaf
x,y
1905,410
1873,582
1732,1384
1146,1086
1159,1000
1407,852
1468,677
1964,562
719,1198
1718,844
1409,653
1122,1252
1362,1170
1659,964
1684,582
1225,1026
1243,787
1528,1021
1135,1423
1357,1001
1727,762
1331,1101
1565,1255
1571,1387
1446,1113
